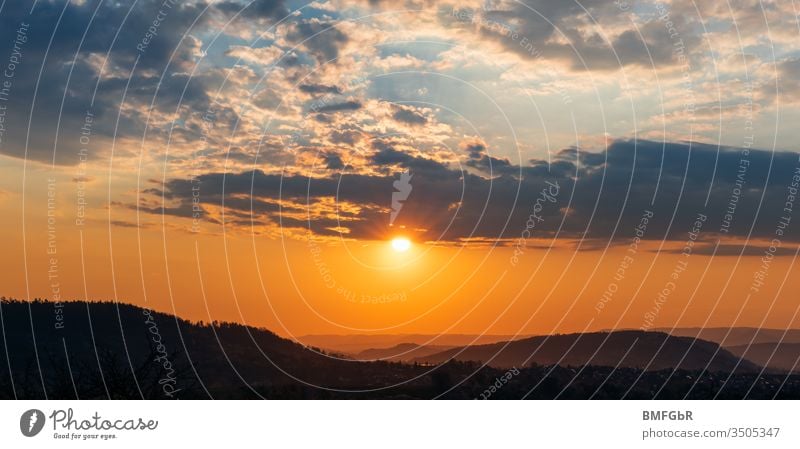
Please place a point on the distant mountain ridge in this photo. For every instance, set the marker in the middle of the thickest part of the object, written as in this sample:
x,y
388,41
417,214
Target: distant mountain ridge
x,y
403,352
736,336
776,356
632,349
353,344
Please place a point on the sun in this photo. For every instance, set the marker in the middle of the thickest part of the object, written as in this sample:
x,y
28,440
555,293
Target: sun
x,y
401,244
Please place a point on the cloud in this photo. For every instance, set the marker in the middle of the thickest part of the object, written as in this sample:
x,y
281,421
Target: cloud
x,y
261,55
344,136
788,87
54,93
273,9
734,250
601,195
319,89
589,35
127,224
408,115
320,38
351,105
387,155
333,161
80,57
480,159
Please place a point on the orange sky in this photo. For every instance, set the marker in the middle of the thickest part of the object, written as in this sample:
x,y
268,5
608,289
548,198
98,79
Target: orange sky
x,y
498,115
295,287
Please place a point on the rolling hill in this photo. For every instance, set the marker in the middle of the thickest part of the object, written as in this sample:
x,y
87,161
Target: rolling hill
x,y
354,344
403,352
776,356
632,349
97,350
736,336
105,349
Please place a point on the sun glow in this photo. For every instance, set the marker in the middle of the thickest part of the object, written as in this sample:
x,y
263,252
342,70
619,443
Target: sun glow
x,y
401,244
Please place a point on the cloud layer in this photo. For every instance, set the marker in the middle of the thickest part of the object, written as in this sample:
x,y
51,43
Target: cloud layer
x,y
600,195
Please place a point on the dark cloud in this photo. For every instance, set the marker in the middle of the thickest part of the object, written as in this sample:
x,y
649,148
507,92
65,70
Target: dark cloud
x,y
272,9
387,155
609,193
538,28
55,94
183,210
126,224
408,115
339,107
321,39
333,161
60,32
481,160
345,136
319,89
731,250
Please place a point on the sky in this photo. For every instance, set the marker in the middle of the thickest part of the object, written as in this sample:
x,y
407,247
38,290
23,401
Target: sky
x,y
555,166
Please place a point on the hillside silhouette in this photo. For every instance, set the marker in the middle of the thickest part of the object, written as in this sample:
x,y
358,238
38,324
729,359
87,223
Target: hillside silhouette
x,y
113,344
104,350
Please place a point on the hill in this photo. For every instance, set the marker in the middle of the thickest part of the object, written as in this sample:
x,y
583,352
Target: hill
x,y
776,356
736,336
632,349
353,344
106,349
403,352
97,350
